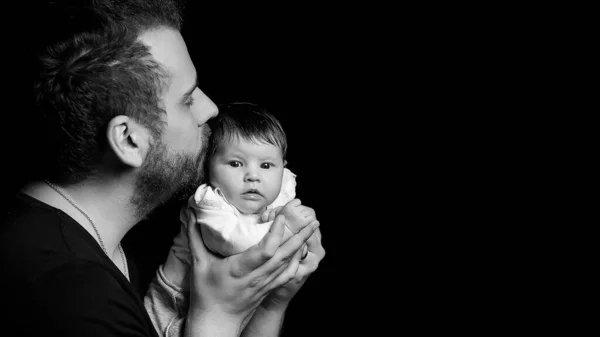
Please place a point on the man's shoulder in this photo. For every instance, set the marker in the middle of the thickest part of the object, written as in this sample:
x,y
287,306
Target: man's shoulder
x,y
34,240
26,226
22,209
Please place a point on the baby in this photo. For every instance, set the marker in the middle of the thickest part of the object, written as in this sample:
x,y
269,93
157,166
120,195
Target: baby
x,y
248,186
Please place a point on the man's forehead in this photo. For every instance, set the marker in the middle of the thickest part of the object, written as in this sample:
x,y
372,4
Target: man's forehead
x,y
169,50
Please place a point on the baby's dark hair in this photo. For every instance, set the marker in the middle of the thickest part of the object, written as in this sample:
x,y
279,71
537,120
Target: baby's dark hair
x,y
247,121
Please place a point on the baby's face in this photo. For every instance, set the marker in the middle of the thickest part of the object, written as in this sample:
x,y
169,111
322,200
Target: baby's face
x,y
248,173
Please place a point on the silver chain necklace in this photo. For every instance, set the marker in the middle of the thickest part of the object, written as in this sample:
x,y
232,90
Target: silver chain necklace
x,y
126,272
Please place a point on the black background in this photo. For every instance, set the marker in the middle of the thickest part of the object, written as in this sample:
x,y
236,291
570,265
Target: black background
x,y
370,100
402,123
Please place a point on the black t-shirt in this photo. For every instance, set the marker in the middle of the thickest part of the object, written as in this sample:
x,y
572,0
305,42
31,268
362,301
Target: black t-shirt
x,y
58,281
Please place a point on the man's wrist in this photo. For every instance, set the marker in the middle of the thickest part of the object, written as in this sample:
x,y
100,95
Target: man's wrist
x,y
273,307
212,324
266,322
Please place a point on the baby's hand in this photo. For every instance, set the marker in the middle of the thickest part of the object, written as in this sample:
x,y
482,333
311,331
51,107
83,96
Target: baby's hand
x,y
270,213
297,216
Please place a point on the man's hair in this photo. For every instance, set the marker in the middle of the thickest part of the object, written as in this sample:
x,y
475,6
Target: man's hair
x,y
247,121
90,68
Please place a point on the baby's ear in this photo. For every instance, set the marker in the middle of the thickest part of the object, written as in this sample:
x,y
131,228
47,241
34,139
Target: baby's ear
x,y
284,163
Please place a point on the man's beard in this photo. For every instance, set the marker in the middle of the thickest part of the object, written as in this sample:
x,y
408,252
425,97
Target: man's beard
x,y
166,176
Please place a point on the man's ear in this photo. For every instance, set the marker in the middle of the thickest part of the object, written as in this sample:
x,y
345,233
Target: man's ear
x,y
128,140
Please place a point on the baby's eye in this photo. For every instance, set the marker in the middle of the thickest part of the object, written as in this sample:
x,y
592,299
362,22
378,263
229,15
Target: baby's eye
x,y
235,163
266,165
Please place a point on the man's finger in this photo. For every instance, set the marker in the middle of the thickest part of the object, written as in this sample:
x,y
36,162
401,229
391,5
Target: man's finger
x,y
263,251
285,273
284,254
314,244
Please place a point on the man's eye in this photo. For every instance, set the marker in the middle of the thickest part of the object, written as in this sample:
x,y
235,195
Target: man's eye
x,y
189,102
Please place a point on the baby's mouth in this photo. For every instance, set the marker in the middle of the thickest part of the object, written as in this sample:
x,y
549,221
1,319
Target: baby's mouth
x,y
252,192
252,195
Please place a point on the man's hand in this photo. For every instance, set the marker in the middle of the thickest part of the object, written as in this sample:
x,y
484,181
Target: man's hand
x,y
268,317
279,298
